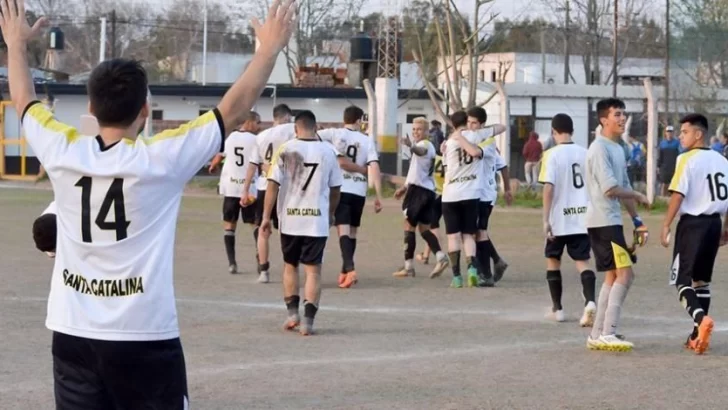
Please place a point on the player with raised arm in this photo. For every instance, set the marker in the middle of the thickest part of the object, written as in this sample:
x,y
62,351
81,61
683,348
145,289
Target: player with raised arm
x,y
268,142
565,202
461,194
699,194
111,305
304,182
419,200
485,250
607,184
238,148
358,158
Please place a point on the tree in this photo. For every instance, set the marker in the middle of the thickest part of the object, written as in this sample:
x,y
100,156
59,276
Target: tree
x,y
703,25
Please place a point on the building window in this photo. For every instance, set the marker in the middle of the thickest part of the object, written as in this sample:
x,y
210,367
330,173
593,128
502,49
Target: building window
x,y
493,76
157,114
481,75
411,117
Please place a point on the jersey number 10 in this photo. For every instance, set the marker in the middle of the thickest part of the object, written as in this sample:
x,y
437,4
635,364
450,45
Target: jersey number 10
x,y
717,187
114,196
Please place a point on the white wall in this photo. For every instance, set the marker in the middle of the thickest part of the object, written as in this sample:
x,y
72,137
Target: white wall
x,y
576,108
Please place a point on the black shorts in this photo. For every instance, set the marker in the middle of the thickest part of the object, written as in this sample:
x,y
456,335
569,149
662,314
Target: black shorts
x,y
461,216
484,211
609,247
259,206
436,213
417,205
308,250
232,211
97,374
349,210
577,246
697,239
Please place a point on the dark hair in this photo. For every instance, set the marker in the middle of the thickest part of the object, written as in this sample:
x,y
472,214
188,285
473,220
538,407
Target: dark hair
x,y
459,118
478,113
117,90
306,120
563,124
435,123
352,114
696,120
280,111
44,233
603,106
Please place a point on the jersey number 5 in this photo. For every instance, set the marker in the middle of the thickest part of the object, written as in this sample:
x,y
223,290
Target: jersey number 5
x,y
239,154
717,187
576,177
114,196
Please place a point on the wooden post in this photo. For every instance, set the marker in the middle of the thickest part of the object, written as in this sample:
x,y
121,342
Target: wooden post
x,y
504,140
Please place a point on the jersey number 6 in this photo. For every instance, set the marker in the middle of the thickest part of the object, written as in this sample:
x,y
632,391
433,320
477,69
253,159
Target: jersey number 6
x,y
576,177
114,196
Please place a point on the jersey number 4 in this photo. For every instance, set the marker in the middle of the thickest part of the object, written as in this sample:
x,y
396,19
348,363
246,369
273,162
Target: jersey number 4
x,y
114,196
576,177
717,187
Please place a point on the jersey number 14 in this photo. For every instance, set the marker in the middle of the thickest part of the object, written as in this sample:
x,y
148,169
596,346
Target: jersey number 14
x,y
114,196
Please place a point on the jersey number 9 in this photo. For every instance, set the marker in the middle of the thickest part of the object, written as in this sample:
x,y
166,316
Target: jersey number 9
x,y
351,153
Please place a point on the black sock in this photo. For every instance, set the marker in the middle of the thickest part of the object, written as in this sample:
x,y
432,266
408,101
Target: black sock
x,y
588,285
230,245
255,238
703,293
263,267
432,241
353,245
689,299
554,279
292,304
309,310
455,263
409,245
347,254
483,256
493,252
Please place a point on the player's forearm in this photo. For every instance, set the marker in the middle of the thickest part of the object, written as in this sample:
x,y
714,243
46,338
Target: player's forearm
x,y
622,193
506,175
334,197
631,206
498,129
215,161
22,90
672,208
375,175
248,179
419,151
241,97
548,197
349,166
472,149
271,193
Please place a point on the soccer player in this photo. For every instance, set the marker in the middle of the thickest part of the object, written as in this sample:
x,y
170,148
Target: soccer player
x,y
45,230
238,148
462,192
419,200
268,142
439,177
485,250
111,305
357,158
304,182
607,184
699,194
565,202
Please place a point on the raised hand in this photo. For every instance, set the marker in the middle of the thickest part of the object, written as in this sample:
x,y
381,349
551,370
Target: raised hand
x,y
275,33
14,24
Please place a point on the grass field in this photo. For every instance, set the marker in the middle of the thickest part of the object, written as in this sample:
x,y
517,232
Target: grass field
x,y
386,343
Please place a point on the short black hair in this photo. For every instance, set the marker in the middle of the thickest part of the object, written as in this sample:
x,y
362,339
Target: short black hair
x,y
306,119
459,118
696,120
44,233
563,124
281,110
117,90
352,114
435,123
604,105
478,113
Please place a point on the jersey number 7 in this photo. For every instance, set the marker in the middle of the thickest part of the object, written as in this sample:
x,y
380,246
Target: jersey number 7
x,y
313,167
114,196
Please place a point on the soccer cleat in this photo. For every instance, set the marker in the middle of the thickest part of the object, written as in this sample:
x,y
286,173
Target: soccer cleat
x,y
557,316
457,282
422,259
350,280
587,319
292,322
485,282
500,270
593,344
612,343
306,328
403,273
472,277
702,342
233,268
263,277
342,278
440,267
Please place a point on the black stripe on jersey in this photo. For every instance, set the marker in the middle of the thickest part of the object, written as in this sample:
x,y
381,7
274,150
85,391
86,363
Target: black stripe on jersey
x,y
221,124
27,107
102,147
371,162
